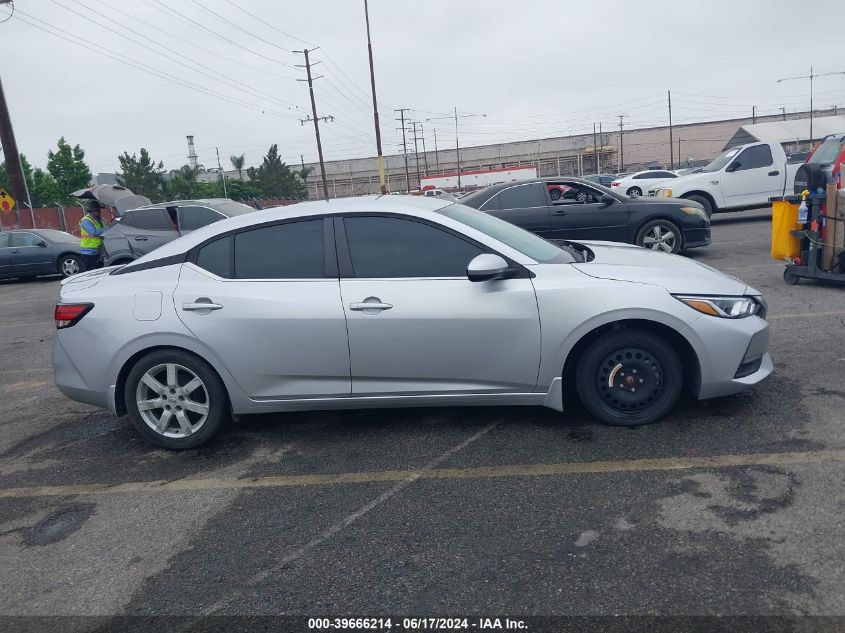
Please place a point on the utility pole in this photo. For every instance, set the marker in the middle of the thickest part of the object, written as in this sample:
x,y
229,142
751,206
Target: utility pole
x,y
425,153
671,147
417,156
679,151
222,173
375,104
316,120
13,158
436,156
811,76
601,143
402,112
753,114
457,143
621,146
595,148
783,113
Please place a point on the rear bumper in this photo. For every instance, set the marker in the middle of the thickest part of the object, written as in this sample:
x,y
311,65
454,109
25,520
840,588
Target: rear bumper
x,y
694,238
69,379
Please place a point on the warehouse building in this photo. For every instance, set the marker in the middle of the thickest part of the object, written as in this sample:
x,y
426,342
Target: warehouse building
x,y
637,149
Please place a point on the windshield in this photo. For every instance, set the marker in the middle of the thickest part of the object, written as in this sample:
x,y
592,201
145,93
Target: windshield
x,y
519,239
720,161
827,152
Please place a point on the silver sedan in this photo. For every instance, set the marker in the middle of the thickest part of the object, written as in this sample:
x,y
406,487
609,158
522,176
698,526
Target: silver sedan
x,y
397,301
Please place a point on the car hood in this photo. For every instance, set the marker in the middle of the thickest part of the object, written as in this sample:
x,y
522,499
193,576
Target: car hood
x,y
677,274
682,184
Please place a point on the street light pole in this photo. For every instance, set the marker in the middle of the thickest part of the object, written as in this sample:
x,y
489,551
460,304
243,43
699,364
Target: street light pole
x,y
222,173
456,116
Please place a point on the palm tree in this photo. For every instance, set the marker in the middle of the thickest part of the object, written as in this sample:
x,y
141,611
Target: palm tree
x,y
238,163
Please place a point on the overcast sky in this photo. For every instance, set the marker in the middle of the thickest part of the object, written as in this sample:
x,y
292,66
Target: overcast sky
x,y
535,69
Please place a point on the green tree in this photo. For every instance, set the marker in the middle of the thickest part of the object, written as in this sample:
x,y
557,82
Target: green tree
x,y
142,175
182,183
43,190
67,167
238,163
274,178
242,190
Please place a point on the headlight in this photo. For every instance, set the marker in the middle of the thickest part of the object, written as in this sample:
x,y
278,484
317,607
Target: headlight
x,y
694,211
724,307
664,193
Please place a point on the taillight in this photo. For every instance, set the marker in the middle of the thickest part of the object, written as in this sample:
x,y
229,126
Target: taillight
x,y
614,184
69,314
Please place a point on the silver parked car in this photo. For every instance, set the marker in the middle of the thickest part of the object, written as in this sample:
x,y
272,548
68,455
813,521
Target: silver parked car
x,y
388,302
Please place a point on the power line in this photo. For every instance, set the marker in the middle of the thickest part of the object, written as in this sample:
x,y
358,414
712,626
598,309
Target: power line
x,y
213,74
240,28
265,23
55,31
163,7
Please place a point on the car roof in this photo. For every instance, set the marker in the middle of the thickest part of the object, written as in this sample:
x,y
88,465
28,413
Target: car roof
x,y
409,205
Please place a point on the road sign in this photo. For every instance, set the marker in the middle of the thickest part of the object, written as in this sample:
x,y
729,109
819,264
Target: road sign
x,y
7,202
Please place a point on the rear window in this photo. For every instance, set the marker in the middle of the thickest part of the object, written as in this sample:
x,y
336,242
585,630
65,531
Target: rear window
x,y
232,208
216,257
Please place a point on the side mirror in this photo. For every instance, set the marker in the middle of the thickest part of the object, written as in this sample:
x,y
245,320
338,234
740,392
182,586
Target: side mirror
x,y
607,200
487,266
42,244
733,166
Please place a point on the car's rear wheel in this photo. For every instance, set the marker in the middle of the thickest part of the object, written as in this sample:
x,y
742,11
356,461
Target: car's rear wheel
x,y
629,377
704,202
70,265
555,194
175,400
660,235
634,192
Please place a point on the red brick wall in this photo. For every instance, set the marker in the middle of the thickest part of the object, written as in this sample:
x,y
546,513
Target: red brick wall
x,y
49,218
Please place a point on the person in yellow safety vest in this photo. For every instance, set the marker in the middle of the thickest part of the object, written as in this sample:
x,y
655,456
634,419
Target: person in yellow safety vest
x,y
91,227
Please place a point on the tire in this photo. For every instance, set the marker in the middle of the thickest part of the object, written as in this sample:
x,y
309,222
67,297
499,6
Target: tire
x,y
634,192
69,265
790,277
660,235
704,202
623,358
186,426
555,194
581,197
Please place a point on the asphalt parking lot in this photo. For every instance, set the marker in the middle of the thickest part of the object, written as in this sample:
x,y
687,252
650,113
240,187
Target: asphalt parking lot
x,y
730,507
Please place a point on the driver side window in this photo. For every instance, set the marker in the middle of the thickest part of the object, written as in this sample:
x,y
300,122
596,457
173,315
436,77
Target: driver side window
x,y
568,192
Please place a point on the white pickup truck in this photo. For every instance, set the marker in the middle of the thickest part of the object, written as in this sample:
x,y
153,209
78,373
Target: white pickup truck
x,y
743,177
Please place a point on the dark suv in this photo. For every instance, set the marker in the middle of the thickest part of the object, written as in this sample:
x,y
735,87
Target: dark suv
x,y
141,230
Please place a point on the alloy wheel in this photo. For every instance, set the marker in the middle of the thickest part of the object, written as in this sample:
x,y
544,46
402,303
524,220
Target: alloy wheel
x,y
172,400
70,266
660,238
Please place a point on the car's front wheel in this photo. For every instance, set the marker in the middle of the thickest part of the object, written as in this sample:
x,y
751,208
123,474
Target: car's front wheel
x,y
175,400
70,265
629,377
660,235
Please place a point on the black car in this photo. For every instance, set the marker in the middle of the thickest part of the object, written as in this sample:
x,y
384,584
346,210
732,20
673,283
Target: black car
x,y
589,211
33,252
141,230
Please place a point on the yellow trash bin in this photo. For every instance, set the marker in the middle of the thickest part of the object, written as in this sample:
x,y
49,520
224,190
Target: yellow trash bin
x,y
785,220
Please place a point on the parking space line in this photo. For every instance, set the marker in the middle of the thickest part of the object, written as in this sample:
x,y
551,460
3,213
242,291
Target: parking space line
x,y
479,472
804,315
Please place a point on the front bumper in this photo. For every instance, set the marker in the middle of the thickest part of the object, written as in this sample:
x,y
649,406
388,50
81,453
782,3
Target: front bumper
x,y
732,348
694,238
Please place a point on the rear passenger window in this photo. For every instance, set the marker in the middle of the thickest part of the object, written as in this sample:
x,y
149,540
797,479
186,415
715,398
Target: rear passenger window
x,y
284,251
153,220
216,257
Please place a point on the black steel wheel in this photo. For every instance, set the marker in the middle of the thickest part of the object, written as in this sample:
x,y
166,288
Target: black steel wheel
x,y
629,377
555,194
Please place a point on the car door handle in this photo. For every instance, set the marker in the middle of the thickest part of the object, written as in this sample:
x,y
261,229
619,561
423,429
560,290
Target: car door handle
x,y
370,305
16,250
774,173
141,239
560,212
200,305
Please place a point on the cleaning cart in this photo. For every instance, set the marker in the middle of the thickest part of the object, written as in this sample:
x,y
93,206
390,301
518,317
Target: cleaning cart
x,y
808,232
